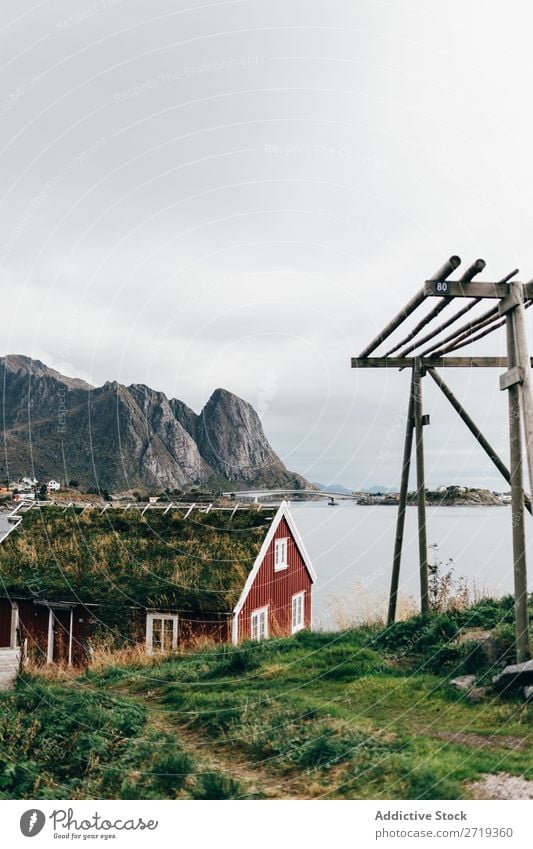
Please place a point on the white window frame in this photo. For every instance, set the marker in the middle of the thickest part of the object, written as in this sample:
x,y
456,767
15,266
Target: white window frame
x,y
150,618
15,634
281,558
298,600
256,614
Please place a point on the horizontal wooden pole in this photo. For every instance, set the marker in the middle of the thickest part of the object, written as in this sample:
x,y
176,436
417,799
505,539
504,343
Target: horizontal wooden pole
x,y
430,362
475,289
448,268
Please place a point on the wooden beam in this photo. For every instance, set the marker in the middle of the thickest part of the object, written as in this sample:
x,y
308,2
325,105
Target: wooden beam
x,y
400,522
421,489
475,289
430,362
510,377
476,268
415,302
436,350
449,266
438,330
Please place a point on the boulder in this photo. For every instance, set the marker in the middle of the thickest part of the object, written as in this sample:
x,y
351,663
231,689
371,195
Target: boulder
x,y
528,693
476,695
487,641
516,675
463,682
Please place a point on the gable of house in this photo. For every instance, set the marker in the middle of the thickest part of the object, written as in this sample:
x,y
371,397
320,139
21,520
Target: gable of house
x,y
277,597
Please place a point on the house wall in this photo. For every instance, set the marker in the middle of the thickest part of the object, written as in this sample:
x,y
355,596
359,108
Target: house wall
x,y
276,590
33,623
191,626
5,623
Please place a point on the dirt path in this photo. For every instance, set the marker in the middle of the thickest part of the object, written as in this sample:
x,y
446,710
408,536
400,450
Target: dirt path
x,y
494,741
210,756
255,779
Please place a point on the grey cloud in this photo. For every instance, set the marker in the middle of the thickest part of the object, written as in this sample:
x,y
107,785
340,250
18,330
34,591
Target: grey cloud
x,y
243,193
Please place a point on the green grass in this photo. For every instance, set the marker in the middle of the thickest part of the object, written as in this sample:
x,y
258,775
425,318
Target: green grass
x,y
368,713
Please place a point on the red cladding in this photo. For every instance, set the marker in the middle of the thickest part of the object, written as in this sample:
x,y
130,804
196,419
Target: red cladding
x,y
275,589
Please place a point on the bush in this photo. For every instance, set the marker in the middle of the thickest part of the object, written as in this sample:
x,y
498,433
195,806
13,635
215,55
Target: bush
x,y
342,664
218,716
58,742
504,637
487,613
216,785
419,635
170,770
427,783
236,661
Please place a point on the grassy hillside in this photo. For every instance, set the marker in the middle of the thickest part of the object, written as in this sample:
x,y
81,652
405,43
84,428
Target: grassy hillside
x,y
368,713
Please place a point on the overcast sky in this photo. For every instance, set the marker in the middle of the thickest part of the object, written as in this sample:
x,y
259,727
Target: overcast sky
x,y
241,194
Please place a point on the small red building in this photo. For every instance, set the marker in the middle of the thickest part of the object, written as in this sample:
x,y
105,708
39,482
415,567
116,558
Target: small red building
x,y
257,561
277,596
55,631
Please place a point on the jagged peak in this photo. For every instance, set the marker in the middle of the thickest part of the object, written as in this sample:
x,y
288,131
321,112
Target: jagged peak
x,y
16,363
221,396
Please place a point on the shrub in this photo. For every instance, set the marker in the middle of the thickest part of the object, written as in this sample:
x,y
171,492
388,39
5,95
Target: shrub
x,y
218,716
427,783
58,742
342,664
419,635
236,661
170,770
216,785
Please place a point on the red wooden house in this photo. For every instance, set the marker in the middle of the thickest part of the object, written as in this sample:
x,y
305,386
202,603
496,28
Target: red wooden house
x,y
277,596
250,578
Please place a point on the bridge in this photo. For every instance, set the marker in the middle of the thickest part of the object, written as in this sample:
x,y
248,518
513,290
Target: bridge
x,y
256,494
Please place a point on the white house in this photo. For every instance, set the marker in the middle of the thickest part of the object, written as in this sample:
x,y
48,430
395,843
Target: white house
x,y
53,486
24,496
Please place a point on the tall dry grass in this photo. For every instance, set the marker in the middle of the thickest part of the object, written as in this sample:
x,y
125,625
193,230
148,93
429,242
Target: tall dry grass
x,y
359,606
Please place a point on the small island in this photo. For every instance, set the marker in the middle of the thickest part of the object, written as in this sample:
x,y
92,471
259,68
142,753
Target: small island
x,y
445,496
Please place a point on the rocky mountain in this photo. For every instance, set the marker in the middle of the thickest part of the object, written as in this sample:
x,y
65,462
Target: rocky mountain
x,y
122,437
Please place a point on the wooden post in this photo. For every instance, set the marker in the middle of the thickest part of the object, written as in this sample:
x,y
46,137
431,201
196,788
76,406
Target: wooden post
x,y
523,361
420,487
517,503
400,522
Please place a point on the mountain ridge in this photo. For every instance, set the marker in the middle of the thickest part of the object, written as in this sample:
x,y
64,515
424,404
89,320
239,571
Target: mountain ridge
x,y
118,437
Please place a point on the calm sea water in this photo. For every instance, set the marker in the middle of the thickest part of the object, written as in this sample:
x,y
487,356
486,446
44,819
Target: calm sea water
x,y
351,547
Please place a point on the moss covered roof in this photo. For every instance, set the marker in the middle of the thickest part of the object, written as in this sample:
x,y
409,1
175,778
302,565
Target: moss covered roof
x,y
198,563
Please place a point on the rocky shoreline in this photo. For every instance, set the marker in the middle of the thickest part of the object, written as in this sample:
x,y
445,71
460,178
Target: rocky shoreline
x,y
451,496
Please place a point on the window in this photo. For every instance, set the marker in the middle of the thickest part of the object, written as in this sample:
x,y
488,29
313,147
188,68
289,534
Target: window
x,y
161,632
259,625
280,554
298,621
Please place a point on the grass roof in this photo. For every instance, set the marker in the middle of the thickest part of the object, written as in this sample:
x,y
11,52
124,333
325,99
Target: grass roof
x,y
198,563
